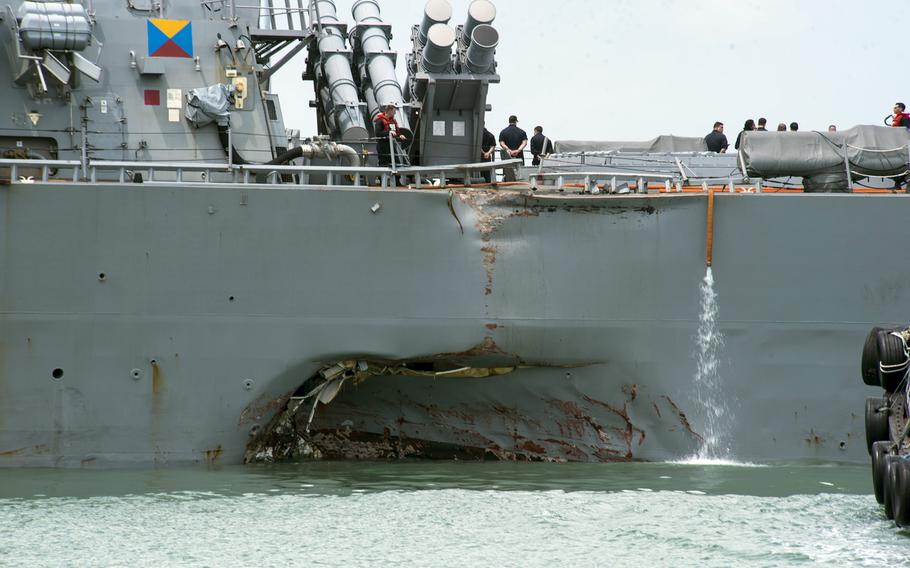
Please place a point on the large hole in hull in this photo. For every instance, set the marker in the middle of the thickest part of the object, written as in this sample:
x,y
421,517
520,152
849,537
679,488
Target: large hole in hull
x,y
288,436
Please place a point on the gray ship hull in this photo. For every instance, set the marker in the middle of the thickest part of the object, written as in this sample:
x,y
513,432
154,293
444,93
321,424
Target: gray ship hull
x,y
156,323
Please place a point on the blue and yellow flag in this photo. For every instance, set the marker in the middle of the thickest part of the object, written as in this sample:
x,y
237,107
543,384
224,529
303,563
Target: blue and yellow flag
x,y
170,38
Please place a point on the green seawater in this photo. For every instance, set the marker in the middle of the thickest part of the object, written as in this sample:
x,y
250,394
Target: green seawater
x,y
449,514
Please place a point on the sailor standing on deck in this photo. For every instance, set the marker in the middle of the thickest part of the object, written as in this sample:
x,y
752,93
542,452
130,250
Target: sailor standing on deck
x,y
385,124
512,140
487,147
749,126
540,146
715,140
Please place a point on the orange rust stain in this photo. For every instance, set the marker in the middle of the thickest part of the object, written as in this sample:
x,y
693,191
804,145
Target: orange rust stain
x,y
814,439
530,446
157,379
487,347
39,449
492,326
88,461
489,260
683,419
211,456
263,406
571,450
709,246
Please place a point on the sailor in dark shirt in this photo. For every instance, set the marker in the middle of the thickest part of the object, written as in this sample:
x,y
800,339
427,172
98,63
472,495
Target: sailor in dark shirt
x,y
540,146
716,141
747,127
512,140
487,147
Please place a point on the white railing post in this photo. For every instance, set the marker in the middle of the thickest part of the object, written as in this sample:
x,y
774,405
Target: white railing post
x,y
847,166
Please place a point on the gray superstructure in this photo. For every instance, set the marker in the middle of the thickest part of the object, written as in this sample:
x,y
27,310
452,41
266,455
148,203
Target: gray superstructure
x,y
168,291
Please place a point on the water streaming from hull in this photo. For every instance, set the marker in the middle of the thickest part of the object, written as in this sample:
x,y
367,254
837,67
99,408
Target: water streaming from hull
x,y
707,384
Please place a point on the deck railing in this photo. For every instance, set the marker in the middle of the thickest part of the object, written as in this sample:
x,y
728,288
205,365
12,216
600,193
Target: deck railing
x,y
247,174
27,171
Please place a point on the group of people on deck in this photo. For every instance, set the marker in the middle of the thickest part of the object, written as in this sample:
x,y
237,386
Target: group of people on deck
x,y
716,140
512,142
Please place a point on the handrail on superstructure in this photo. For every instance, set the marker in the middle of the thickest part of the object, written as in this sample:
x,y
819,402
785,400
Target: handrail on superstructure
x,y
237,171
464,169
242,173
266,10
273,172
45,165
590,179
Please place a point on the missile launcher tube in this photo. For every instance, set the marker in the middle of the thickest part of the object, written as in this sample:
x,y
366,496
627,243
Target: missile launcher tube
x,y
437,53
480,12
335,69
378,62
435,12
480,57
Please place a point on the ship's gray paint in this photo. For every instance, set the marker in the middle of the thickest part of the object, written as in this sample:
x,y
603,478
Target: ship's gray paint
x,y
606,285
178,318
146,133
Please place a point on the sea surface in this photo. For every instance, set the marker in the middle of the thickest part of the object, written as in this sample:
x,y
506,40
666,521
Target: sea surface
x,y
449,514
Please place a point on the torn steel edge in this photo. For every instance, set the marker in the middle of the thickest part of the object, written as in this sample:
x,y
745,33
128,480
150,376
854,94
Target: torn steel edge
x,y
282,439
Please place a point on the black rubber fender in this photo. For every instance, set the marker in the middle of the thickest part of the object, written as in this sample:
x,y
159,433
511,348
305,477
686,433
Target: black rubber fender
x,y
880,450
890,486
877,423
869,367
901,495
891,353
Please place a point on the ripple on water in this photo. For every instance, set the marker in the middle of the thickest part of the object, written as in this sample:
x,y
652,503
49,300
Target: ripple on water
x,y
451,527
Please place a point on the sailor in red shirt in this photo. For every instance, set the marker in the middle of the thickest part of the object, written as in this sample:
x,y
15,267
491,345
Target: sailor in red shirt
x,y
901,118
384,124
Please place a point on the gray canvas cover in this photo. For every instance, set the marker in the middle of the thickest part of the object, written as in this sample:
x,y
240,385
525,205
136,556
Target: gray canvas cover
x,y
209,104
664,143
871,150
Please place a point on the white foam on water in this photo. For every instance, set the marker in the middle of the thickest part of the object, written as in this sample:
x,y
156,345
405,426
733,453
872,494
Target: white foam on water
x,y
715,462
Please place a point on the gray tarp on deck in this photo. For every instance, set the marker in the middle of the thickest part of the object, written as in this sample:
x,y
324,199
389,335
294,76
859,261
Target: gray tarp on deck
x,y
665,143
871,150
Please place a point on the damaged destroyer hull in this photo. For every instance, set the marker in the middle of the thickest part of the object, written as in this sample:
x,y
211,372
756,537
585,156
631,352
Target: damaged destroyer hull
x,y
169,324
